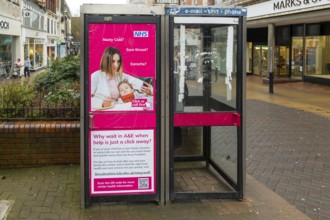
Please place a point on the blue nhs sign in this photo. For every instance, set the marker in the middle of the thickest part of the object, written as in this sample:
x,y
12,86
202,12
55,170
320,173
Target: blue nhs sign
x,y
141,33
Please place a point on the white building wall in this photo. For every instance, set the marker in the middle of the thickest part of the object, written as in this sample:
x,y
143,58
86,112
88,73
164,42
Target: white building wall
x,y
53,36
10,25
39,35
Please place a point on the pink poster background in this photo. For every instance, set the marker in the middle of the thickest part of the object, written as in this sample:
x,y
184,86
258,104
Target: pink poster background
x,y
122,37
137,44
123,185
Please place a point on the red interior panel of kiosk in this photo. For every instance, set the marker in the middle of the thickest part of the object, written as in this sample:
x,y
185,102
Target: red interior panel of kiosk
x,y
207,119
124,120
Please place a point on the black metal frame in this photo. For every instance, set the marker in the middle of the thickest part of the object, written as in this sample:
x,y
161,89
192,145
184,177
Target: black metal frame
x,y
121,19
238,188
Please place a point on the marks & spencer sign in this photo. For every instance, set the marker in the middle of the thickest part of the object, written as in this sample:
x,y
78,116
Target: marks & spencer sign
x,y
284,4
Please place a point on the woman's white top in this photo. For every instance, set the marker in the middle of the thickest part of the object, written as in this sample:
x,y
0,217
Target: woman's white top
x,y
103,86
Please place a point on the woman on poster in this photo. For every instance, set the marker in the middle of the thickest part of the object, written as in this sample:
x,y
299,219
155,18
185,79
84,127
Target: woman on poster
x,y
104,82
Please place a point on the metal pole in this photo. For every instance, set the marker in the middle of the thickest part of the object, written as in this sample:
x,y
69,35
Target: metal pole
x,y
271,45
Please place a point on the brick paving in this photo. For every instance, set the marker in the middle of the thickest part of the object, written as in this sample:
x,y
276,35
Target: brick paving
x,y
288,151
288,173
53,192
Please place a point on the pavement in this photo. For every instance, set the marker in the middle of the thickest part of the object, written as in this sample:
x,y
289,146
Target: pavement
x,y
288,143
22,78
287,163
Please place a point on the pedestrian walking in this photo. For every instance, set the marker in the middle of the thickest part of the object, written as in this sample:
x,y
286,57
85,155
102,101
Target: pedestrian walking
x,y
27,66
17,69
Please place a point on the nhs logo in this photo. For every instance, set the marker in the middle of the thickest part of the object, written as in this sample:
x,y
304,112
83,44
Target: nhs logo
x,y
141,33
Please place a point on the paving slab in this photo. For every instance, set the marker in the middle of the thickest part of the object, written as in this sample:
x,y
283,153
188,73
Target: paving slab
x,y
31,203
5,206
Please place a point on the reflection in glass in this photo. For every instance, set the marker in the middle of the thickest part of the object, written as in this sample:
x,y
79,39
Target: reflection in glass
x,y
35,53
6,58
189,141
249,57
35,20
204,80
204,67
282,61
297,57
224,149
39,55
317,53
27,21
260,60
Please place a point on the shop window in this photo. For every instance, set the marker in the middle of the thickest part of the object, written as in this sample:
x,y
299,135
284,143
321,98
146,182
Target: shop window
x,y
5,54
313,29
31,52
27,21
51,26
260,60
325,28
297,57
257,35
283,36
39,55
317,55
249,57
35,20
298,30
26,51
42,23
48,25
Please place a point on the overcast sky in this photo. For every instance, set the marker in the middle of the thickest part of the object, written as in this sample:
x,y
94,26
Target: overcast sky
x,y
74,5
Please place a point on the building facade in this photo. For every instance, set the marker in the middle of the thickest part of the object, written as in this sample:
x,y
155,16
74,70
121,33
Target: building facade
x,y
300,39
34,34
53,38
38,30
10,35
65,29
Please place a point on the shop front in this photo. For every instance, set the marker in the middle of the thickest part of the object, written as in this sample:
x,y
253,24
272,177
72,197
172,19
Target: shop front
x,y
302,41
8,44
51,51
6,58
34,50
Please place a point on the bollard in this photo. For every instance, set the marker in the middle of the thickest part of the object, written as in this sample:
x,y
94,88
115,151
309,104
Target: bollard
x,y
271,82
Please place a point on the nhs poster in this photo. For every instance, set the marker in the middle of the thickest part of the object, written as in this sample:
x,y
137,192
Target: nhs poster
x,y
122,91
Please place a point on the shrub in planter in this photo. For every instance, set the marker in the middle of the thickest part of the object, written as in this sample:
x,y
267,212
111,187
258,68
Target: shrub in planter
x,y
54,88
60,83
65,70
14,97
